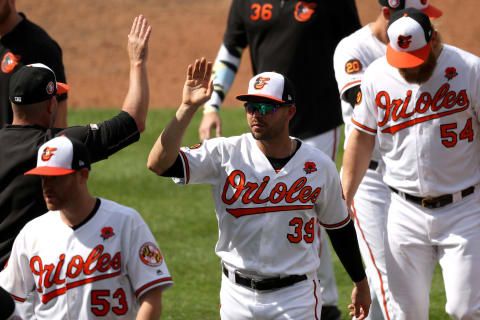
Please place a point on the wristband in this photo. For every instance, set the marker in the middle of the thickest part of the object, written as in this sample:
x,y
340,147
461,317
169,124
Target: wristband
x,y
210,109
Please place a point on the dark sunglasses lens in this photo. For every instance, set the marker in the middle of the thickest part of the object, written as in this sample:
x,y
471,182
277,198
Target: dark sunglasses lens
x,y
262,108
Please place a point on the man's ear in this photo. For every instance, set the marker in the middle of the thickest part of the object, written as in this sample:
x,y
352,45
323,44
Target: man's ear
x,y
83,174
387,13
291,111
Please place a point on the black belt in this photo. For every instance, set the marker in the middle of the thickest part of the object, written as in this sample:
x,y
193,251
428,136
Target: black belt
x,y
265,284
432,203
373,165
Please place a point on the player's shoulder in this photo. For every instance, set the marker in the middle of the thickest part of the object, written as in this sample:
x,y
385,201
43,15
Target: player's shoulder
x,y
42,222
323,160
114,210
453,54
355,42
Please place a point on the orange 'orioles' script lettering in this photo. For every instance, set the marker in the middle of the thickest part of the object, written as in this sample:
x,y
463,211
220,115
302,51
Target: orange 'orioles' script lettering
x,y
396,109
250,192
97,261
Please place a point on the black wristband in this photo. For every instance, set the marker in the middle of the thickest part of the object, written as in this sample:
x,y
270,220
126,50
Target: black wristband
x,y
344,241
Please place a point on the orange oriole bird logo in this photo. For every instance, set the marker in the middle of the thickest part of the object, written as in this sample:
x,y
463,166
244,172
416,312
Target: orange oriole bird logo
x,y
9,62
404,41
304,10
260,82
48,153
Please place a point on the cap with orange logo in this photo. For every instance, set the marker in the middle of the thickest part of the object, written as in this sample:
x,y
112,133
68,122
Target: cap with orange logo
x,y
422,5
61,156
270,87
409,32
34,83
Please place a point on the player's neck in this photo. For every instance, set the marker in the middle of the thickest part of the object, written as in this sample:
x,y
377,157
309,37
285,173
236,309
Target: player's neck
x,y
379,29
78,210
277,148
10,23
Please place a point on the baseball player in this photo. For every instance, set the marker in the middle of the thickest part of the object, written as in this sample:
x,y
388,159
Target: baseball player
x,y
422,102
297,39
23,42
98,258
33,90
269,191
352,56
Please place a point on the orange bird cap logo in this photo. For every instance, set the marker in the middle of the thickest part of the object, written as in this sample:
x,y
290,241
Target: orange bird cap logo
x,y
48,153
260,82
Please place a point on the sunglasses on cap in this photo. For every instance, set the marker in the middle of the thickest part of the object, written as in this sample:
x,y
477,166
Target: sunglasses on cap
x,y
262,107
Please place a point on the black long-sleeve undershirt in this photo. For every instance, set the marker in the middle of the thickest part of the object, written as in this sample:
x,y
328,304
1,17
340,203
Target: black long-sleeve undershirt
x,y
344,241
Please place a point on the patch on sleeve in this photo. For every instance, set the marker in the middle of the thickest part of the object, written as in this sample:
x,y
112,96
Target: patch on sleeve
x,y
94,126
353,66
358,98
150,254
195,146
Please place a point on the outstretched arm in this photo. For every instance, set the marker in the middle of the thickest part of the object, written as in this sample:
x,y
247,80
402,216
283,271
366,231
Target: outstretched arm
x,y
137,99
355,162
197,89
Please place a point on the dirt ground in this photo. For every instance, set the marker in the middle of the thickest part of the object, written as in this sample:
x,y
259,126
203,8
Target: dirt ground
x,y
93,36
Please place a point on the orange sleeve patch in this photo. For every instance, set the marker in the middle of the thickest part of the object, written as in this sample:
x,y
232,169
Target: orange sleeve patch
x,y
353,66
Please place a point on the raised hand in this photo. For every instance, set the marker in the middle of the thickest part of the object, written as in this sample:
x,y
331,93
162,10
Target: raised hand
x,y
198,87
137,45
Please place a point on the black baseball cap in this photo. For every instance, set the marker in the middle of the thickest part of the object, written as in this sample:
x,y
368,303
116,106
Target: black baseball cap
x,y
422,5
34,83
61,156
270,87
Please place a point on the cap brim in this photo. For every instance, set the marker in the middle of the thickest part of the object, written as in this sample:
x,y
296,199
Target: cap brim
x,y
258,98
49,171
432,12
62,88
404,60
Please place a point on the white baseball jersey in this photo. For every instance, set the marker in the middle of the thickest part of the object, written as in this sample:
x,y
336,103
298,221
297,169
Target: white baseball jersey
x,y
352,56
267,219
426,133
99,269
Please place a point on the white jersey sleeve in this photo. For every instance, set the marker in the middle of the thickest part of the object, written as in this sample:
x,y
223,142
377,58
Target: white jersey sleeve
x,y
364,116
16,278
200,162
330,206
146,266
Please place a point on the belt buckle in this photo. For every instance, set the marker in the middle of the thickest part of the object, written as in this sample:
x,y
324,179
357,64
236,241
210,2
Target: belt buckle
x,y
427,202
253,284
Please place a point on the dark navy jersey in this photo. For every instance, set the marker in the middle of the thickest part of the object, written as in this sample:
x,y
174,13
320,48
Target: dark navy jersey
x,y
21,198
297,39
27,43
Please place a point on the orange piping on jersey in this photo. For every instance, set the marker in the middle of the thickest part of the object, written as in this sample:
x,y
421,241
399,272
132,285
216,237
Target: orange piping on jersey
x,y
139,291
406,124
350,84
187,168
374,263
18,298
363,127
55,293
316,298
336,225
237,213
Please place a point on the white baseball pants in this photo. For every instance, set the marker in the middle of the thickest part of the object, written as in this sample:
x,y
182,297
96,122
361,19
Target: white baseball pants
x,y
419,238
300,301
